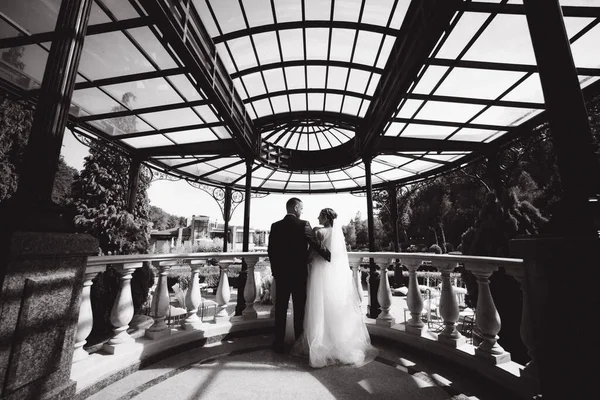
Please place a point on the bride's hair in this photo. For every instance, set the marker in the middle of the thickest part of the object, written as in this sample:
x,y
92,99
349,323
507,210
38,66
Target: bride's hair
x,y
329,214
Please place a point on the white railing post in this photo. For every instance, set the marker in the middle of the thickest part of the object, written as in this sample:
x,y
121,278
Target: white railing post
x,y
531,370
414,301
384,294
122,310
487,318
193,297
159,308
85,321
223,290
355,265
448,306
250,291
273,297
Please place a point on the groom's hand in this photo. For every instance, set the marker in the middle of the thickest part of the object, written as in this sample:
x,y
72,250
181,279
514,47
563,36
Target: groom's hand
x,y
327,255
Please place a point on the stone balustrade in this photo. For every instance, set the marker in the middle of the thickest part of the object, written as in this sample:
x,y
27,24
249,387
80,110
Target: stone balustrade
x,y
487,319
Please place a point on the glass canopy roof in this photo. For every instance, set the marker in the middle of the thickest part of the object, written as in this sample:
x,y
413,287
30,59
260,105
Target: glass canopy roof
x,y
298,86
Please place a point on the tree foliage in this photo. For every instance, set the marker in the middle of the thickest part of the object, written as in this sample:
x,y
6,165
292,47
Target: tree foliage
x,y
162,220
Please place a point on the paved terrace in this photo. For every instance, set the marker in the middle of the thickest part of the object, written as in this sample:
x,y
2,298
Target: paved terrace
x,y
229,366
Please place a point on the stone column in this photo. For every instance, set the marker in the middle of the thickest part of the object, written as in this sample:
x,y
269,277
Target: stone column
x,y
384,295
193,297
448,306
122,310
160,303
486,316
355,265
223,290
86,317
250,290
531,370
414,301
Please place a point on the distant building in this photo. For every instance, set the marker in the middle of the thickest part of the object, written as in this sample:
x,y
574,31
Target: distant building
x,y
202,228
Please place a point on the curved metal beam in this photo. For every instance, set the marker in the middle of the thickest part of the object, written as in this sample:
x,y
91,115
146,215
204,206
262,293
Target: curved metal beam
x,y
307,63
307,90
270,122
306,25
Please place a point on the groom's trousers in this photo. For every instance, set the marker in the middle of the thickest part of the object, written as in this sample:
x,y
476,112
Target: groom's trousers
x,y
296,287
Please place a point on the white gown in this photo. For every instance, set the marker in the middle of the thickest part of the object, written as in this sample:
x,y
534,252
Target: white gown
x,y
334,330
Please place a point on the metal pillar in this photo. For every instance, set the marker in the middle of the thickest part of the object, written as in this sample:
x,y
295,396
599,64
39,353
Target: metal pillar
x,y
40,161
134,180
394,215
240,304
565,106
374,309
227,215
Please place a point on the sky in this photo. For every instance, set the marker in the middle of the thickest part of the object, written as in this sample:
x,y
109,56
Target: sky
x,y
181,199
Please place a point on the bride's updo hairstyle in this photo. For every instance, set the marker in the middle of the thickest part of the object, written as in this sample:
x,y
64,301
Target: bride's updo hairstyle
x,y
329,214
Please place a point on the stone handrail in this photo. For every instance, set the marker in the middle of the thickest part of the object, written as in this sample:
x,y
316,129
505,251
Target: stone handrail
x,y
487,319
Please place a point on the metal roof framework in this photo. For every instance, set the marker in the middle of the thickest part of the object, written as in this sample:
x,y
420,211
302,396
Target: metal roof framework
x,y
305,89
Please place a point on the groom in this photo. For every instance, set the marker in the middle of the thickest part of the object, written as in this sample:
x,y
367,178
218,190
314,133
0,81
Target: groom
x,y
289,242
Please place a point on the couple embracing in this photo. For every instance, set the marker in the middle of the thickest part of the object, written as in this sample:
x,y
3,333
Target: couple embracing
x,y
312,267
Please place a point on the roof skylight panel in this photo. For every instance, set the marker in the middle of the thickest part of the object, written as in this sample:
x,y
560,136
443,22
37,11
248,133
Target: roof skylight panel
x,y
121,9
585,50
94,101
428,131
377,12
333,102
477,83
505,116
367,46
147,141
258,12
317,40
280,104
254,84
447,111
315,101
185,87
192,136
262,107
266,47
466,27
172,118
153,47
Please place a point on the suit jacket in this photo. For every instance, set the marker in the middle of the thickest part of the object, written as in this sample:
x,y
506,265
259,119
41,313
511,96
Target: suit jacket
x,y
289,241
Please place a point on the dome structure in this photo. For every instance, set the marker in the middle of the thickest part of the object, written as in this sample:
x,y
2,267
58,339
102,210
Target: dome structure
x,y
301,93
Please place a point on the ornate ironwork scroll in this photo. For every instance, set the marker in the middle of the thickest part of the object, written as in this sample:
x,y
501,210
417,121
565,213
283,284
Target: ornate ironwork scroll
x,y
163,176
218,194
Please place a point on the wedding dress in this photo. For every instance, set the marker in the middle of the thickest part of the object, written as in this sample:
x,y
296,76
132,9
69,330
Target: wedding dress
x,y
334,330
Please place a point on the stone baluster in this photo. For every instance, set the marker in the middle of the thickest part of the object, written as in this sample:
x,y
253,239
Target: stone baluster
x,y
531,370
257,284
86,317
193,297
223,290
486,315
448,307
384,295
160,303
121,313
414,301
250,290
355,265
273,297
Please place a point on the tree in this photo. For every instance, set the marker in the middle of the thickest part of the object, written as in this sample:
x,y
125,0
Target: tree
x,y
159,218
63,181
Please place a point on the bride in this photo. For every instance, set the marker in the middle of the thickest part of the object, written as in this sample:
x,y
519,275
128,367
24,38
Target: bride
x,y
334,330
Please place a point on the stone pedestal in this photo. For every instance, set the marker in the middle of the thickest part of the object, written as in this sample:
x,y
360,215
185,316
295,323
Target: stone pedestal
x,y
39,310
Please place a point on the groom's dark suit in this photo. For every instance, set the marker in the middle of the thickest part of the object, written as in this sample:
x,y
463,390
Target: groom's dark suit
x,y
289,241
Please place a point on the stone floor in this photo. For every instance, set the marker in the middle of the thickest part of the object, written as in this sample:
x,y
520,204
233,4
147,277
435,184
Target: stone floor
x,y
245,367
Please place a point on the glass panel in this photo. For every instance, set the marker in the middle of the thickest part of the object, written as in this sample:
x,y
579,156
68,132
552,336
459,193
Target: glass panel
x,y
357,81
23,66
185,87
111,54
394,128
364,108
237,83
575,24
229,15
584,53
472,135
315,101
254,84
206,17
342,41
505,116
428,131
267,47
318,9
280,176
499,44
399,14
388,44
153,47
225,58
345,184
351,105
122,125
394,174
288,10
373,84
316,43
462,33
121,9
193,136
420,166
302,142
148,141
478,83
292,44
346,10
298,102
207,114
172,118
316,77
261,172
94,101
321,185
337,78
333,102
295,77
242,52
528,90
7,31
366,47
274,79
430,79
146,93
34,16
443,111
256,12
280,104
378,12
262,108
222,132
409,108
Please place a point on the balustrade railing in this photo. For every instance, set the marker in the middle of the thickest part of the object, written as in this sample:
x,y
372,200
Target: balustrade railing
x,y
487,319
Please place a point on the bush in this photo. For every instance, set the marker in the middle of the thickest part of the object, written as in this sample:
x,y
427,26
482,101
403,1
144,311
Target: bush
x,y
209,246
434,248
